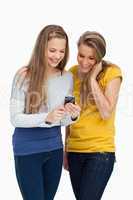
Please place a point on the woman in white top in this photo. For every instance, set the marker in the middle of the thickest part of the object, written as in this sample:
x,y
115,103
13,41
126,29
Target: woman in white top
x,y
37,112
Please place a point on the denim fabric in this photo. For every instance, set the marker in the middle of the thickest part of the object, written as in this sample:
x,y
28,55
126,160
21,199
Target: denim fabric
x,y
38,175
89,173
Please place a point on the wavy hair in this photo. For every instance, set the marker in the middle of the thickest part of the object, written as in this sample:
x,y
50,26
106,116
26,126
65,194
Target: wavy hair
x,y
37,67
96,41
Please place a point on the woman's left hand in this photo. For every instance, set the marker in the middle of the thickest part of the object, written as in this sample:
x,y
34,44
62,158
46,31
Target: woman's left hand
x,y
73,109
96,70
65,161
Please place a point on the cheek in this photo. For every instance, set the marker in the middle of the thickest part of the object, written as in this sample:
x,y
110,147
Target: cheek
x,y
62,55
79,60
50,55
92,62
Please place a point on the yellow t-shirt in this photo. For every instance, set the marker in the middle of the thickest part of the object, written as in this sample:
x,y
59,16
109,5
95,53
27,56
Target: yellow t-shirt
x,y
91,133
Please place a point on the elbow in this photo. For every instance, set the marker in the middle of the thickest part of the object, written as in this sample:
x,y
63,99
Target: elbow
x,y
13,121
106,114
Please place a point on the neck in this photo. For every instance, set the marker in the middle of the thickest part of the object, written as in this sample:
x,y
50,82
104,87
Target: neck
x,y
51,71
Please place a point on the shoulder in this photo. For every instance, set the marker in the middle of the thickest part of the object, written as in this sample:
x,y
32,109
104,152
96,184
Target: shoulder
x,y
113,68
112,71
73,69
22,71
20,76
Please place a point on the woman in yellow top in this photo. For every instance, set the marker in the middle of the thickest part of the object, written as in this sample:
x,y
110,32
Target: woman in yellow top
x,y
90,148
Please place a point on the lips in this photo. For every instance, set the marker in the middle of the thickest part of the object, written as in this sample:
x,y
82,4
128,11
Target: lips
x,y
85,69
54,61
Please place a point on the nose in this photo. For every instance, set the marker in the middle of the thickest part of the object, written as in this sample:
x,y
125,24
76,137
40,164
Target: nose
x,y
58,55
85,62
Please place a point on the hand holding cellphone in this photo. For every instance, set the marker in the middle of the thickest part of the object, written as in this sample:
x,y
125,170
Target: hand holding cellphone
x,y
69,99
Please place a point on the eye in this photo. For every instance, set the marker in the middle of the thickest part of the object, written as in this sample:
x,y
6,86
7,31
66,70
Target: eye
x,y
91,58
63,51
52,50
81,56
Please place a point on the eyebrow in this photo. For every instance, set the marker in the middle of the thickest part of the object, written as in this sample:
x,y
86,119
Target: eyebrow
x,y
87,56
81,54
55,49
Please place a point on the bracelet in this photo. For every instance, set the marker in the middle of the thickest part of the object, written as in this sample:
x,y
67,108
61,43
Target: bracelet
x,y
49,123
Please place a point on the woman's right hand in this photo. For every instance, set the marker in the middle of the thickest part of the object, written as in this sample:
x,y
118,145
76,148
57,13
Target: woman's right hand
x,y
56,115
96,69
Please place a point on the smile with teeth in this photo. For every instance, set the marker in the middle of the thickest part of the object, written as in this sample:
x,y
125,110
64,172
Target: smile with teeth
x,y
55,61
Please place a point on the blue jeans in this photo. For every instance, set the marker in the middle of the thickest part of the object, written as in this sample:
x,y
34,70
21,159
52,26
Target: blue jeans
x,y
89,173
38,175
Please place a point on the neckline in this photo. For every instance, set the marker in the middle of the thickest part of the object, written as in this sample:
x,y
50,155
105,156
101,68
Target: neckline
x,y
57,75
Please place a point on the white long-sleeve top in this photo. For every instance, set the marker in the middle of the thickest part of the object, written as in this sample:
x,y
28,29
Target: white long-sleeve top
x,y
57,88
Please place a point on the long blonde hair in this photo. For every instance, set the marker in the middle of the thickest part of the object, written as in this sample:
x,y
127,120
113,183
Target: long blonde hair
x,y
36,69
96,41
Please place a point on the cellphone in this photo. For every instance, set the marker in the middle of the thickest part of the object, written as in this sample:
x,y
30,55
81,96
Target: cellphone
x,y
69,99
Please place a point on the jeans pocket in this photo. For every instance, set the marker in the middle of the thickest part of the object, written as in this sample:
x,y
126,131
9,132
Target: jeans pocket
x,y
107,156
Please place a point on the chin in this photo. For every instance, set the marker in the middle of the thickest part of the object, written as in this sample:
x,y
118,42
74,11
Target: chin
x,y
53,65
85,71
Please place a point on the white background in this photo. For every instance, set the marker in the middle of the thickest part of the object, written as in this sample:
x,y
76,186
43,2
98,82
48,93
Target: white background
x,y
20,23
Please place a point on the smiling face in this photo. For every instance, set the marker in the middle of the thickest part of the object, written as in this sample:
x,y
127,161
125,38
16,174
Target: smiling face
x,y
86,58
55,51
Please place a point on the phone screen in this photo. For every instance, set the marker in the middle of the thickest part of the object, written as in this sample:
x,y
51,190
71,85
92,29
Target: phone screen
x,y
69,99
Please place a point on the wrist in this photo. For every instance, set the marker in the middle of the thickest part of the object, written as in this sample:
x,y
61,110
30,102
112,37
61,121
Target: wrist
x,y
65,149
92,79
48,120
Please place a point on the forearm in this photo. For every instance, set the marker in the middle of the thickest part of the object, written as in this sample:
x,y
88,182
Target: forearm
x,y
20,119
27,121
101,100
